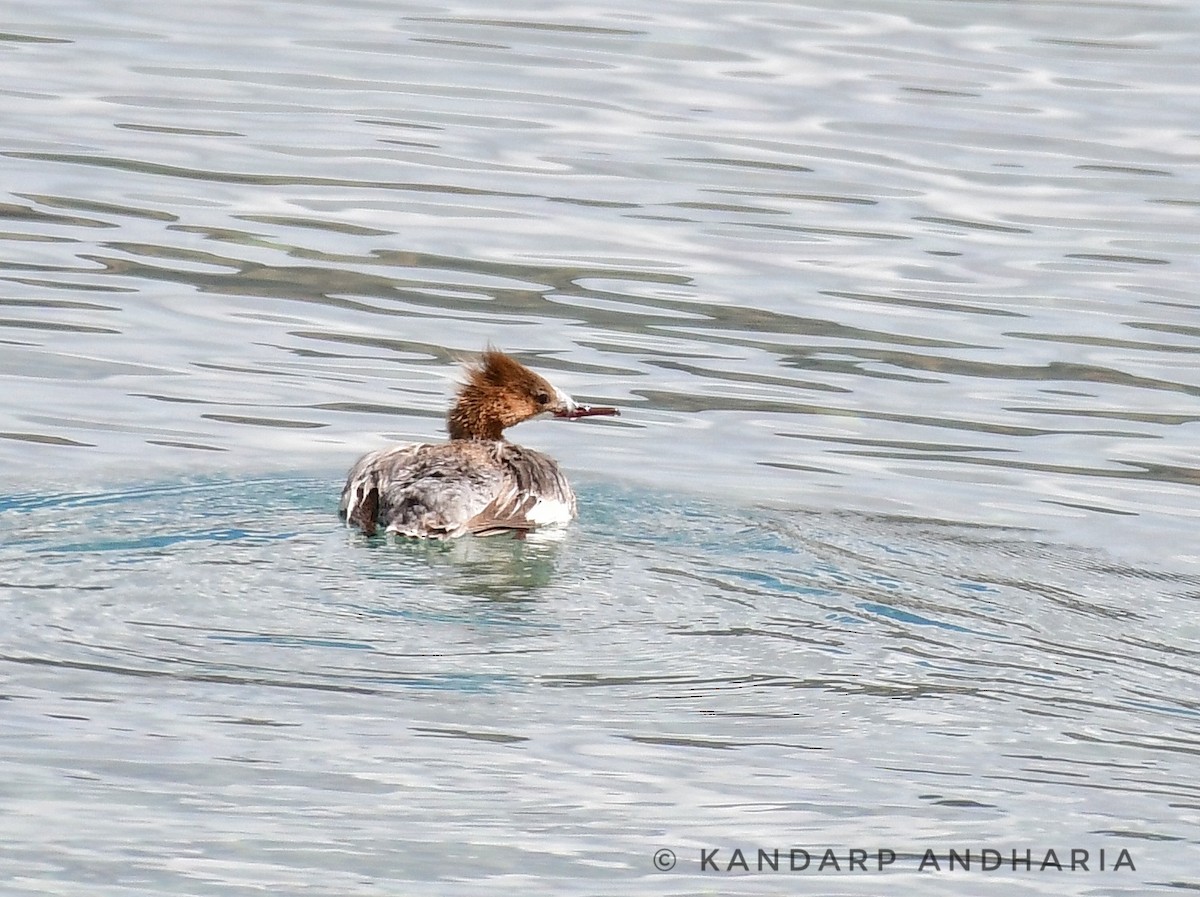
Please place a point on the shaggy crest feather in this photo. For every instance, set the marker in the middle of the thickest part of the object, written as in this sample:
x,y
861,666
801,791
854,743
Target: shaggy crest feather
x,y
478,482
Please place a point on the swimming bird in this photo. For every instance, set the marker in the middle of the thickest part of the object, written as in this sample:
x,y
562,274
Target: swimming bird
x,y
478,482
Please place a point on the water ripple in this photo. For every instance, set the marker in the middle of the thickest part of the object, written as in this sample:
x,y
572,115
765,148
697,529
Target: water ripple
x,y
906,295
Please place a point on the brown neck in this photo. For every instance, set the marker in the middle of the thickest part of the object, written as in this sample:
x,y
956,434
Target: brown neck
x,y
466,421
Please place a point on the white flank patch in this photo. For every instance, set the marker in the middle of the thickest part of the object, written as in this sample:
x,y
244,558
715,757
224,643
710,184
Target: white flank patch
x,y
548,512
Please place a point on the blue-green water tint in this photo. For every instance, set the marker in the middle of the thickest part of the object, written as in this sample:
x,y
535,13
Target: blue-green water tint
x,y
892,546
259,685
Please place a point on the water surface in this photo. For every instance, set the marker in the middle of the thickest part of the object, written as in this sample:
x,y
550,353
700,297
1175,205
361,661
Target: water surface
x,y
892,546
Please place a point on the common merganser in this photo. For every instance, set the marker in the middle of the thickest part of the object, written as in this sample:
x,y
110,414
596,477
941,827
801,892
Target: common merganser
x,y
478,482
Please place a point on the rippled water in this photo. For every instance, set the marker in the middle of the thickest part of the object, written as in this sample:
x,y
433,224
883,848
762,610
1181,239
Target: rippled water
x,y
891,548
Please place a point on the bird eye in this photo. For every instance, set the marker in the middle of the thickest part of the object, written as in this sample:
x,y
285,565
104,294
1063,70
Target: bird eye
x,y
543,397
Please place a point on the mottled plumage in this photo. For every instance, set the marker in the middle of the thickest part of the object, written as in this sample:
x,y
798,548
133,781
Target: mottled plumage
x,y
478,482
